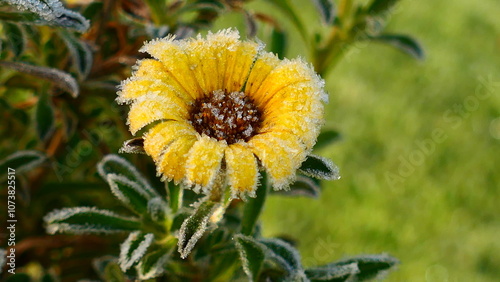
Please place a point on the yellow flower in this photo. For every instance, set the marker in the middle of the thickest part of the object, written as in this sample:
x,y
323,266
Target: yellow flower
x,y
219,105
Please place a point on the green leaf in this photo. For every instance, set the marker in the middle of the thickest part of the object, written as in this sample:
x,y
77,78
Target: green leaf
x,y
252,254
154,263
158,209
61,79
85,220
404,43
114,164
336,273
194,227
278,42
175,194
113,273
326,8
15,37
133,146
19,162
80,53
50,13
131,194
45,118
319,167
381,6
371,266
134,248
179,218
285,255
303,186
253,208
326,138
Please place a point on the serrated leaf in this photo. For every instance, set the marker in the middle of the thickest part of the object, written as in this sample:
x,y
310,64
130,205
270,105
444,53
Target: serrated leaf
x,y
336,273
44,117
326,138
50,13
194,227
113,164
252,255
80,53
15,37
278,42
61,79
371,266
326,9
154,263
320,168
131,194
133,146
134,248
158,209
303,186
284,254
381,6
85,220
21,161
404,43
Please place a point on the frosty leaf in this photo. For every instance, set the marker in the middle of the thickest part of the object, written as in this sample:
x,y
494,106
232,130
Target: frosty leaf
x,y
326,138
404,43
15,37
326,8
51,12
319,167
21,161
45,119
113,164
252,255
131,194
303,186
194,227
370,266
84,220
333,272
134,248
80,53
133,146
284,254
158,209
153,264
63,80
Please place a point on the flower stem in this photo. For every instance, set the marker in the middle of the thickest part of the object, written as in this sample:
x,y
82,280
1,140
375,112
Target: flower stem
x,y
253,208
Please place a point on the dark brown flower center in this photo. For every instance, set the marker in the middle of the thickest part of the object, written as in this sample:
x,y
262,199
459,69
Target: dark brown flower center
x,y
226,116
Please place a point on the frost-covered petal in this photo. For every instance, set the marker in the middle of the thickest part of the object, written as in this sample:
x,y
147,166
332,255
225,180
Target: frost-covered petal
x,y
281,154
172,55
165,133
242,170
172,161
151,76
204,162
238,65
263,65
152,107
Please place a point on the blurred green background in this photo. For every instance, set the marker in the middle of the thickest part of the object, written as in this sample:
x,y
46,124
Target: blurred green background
x,y
420,150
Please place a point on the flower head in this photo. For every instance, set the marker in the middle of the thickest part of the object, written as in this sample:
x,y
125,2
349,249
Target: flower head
x,y
219,105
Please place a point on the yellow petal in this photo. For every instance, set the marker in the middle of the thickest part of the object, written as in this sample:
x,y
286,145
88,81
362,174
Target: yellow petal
x,y
172,55
238,65
204,162
264,64
151,76
281,153
161,135
242,170
286,74
172,161
152,107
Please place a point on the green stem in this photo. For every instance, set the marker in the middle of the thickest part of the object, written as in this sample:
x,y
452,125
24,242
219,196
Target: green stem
x,y
174,193
253,208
